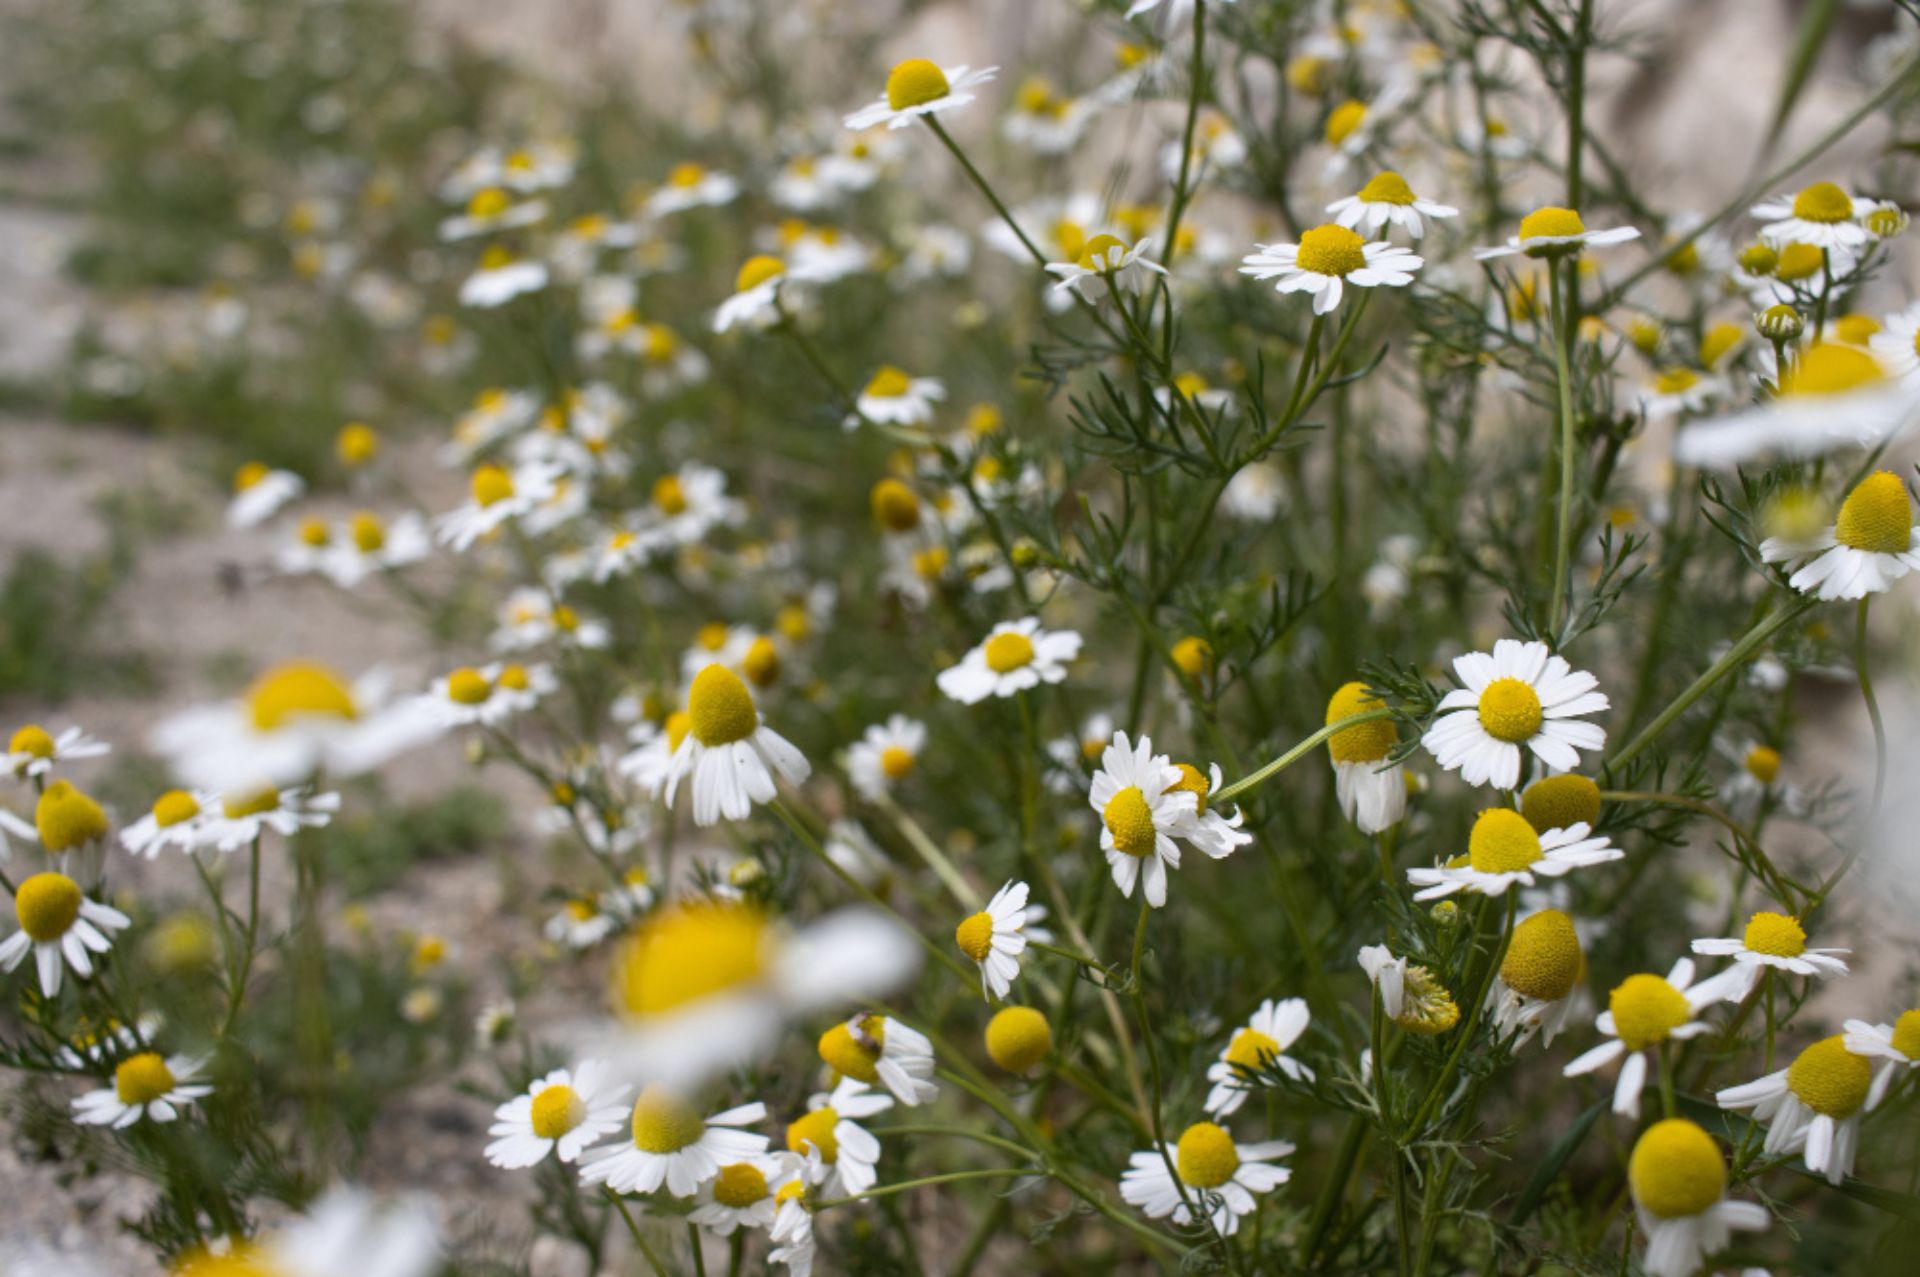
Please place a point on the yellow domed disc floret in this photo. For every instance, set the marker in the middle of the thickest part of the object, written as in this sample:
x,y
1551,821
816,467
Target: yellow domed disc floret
x,y
1645,1010
1799,261
1008,651
855,1056
491,484
974,935
889,383
1906,1034
47,905
1192,781
174,807
468,686
757,270
1331,250
1829,1079
1193,655
1205,1156
669,495
895,507
142,1079
1763,763
557,1110
1543,958
739,1185
299,690
1018,1038
1777,935
67,818
1876,516
1343,120
368,532
663,1122
1367,742
1676,1169
1510,710
816,1128
720,708
1252,1050
1551,223
1426,1007
1100,253
896,761
687,952
1502,842
1560,802
761,664
1387,188
1130,821
1823,202
915,82
33,741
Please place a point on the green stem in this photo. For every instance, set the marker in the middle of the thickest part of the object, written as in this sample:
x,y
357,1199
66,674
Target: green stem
x,y
950,877
633,1230
1196,74
907,1185
693,1243
1563,290
1466,1031
1873,704
1295,754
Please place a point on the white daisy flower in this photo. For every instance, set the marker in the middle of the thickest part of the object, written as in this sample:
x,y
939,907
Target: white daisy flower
x,y
244,815
530,617
259,493
756,295
1555,232
1144,804
1521,694
792,1229
1372,791
1644,1012
995,937
495,414
745,1194
60,927
1822,215
650,762
728,751
894,398
1256,493
499,495
1504,849
847,1151
180,818
1410,995
1215,833
691,186
1774,940
688,504
1015,656
672,1144
1898,343
1831,396
823,254
885,755
1326,260
1106,260
1896,1046
563,1113
500,277
1387,200
1539,989
368,545
581,923
880,1051
1218,1174
490,695
1045,121
1812,1107
801,187
492,209
1678,1176
1871,545
918,87
147,1086
1678,389
1258,1047
33,751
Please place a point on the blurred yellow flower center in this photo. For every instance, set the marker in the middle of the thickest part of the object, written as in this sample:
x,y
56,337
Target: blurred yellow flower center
x,y
1008,651
1343,120
1676,1169
313,532
174,807
684,953
915,82
816,1128
248,475
557,1110
31,739
1130,821
757,270
720,708
488,203
762,662
1719,339
1102,252
357,443
468,686
47,905
1551,223
889,383
686,175
1684,260
1560,802
1018,1038
896,761
855,1056
974,935
739,1186
1673,381
1906,1034
669,497
1252,1049
1645,1010
1502,842
1823,202
1194,655
679,723
1331,250
369,533
496,257
1777,935
1366,742
1876,515
1829,1079
67,818
250,802
491,483
513,678
1799,261
1856,330
1763,764
1829,369
1510,710
1759,259
663,1122
1387,188
1192,781
300,690
895,507
1205,1156
1543,959
142,1079
1190,385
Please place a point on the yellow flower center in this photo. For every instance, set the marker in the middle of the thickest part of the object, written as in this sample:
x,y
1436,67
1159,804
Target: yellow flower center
x,y
249,474
1551,223
1426,1007
174,807
468,686
816,1128
1205,1156
687,952
1094,255
1560,802
889,383
47,904
1194,656
1008,651
678,724
67,818
762,662
1510,710
1906,1034
1829,1079
1018,1038
895,507
1676,1169
1673,381
369,533
1367,742
1856,330
298,691
557,1110
757,270
1876,515
669,497
250,803
1759,259
1130,821
1252,1049
1823,202
1387,188
1543,959
686,175
1799,261
1719,340
663,1122
930,563
31,739
142,1079
720,707
1193,781
1829,369
739,1186
1763,764
1344,119
488,203
1685,260
974,935
853,1056
313,532
356,444
1777,935
896,761
915,82
491,483
513,678
1645,1010
712,636
1331,250
1502,842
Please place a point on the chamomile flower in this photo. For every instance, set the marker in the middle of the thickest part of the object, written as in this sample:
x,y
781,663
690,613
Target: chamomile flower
x,y
180,818
1387,200
563,1113
259,493
60,927
1326,260
1256,493
1372,791
1771,940
490,695
33,751
495,414
691,186
246,814
918,87
1871,545
1218,1174
498,496
729,752
1144,804
500,277
894,398
1674,390
792,1230
1106,260
1520,694
369,544
880,1051
885,755
1812,1107
1540,988
1645,1012
581,923
1257,1047
756,295
1555,232
1015,656
1678,1176
846,1150
672,1145
1504,849
1216,831
650,762
145,1086
995,938
1410,995
689,503
1897,344
1822,215
1046,121
745,1194
489,210
1830,396
1896,1046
